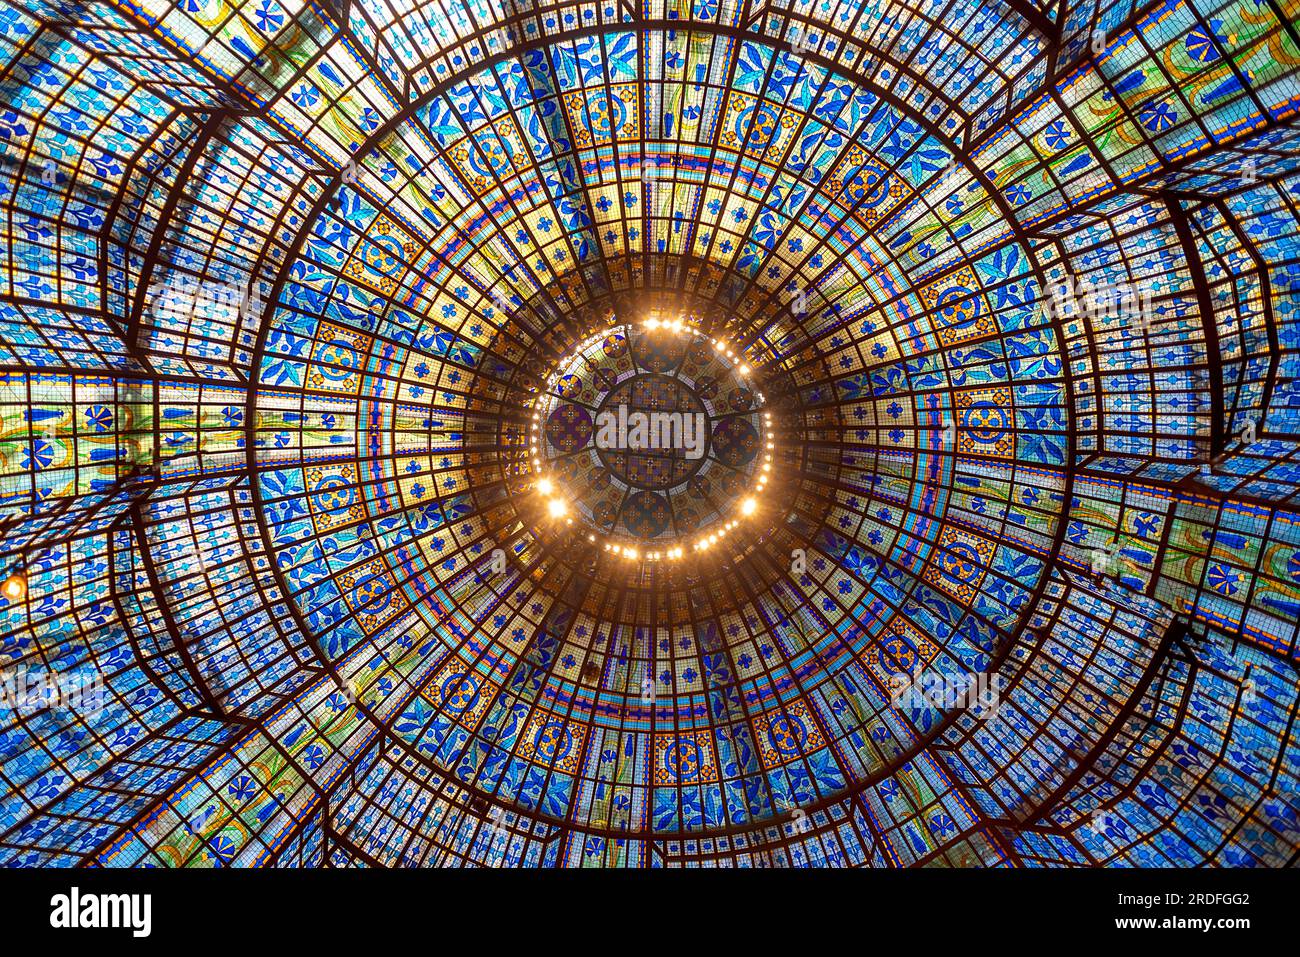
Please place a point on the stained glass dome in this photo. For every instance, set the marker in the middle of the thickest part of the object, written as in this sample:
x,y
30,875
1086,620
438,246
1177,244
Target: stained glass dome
x,y
681,433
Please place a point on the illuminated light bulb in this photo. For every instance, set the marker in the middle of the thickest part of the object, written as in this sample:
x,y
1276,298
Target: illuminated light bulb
x,y
747,506
652,324
744,369
556,507
591,538
15,586
630,553
717,344
545,486
712,539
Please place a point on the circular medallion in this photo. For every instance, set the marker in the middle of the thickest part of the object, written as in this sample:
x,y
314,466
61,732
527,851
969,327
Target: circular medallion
x,y
648,435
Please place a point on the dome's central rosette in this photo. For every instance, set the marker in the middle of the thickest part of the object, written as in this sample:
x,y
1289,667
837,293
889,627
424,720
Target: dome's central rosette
x,y
652,431
654,436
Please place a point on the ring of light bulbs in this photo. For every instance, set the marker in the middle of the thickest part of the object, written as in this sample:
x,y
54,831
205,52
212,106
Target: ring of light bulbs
x,y
557,508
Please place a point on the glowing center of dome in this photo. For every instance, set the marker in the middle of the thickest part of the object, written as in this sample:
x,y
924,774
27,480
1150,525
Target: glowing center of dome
x,y
653,437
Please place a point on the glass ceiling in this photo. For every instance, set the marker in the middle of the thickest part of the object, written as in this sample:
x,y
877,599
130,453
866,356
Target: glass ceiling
x,y
990,313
